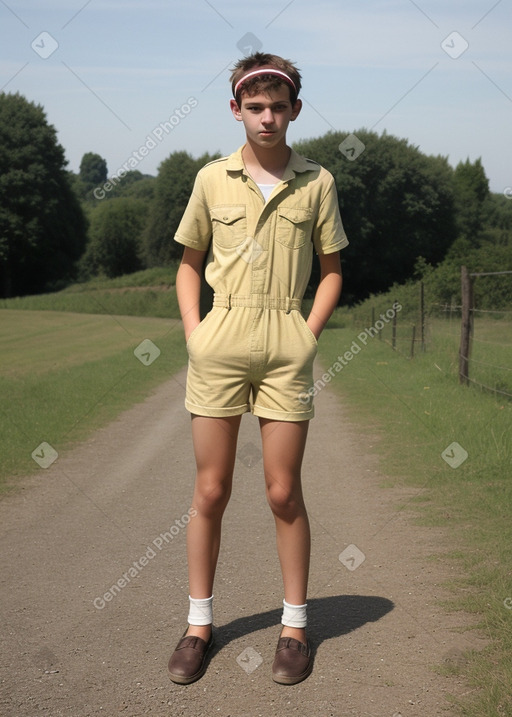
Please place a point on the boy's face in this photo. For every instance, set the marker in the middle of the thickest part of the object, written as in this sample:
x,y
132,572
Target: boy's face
x,y
266,116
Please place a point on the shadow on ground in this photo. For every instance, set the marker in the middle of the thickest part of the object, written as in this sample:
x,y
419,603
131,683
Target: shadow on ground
x,y
328,617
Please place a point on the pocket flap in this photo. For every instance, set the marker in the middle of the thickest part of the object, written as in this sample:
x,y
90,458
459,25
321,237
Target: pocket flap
x,y
296,215
228,214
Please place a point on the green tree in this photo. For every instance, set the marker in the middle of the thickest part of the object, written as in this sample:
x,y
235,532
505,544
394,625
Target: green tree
x,y
115,234
490,251
497,219
42,226
471,195
396,204
133,184
172,190
93,171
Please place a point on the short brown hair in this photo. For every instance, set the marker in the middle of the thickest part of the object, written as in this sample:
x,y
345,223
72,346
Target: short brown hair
x,y
264,83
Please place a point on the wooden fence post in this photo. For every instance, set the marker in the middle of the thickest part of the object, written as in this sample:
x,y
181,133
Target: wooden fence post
x,y
465,330
422,316
393,330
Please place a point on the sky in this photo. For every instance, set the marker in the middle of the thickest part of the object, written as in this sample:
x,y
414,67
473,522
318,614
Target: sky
x,y
115,76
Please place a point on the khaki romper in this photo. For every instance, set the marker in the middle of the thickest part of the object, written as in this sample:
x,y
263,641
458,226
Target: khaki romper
x,y
254,351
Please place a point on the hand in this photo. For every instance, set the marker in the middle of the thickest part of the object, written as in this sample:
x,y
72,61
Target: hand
x,y
189,331
314,331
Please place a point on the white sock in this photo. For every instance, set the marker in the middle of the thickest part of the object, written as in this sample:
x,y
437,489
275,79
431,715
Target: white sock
x,y
200,611
294,615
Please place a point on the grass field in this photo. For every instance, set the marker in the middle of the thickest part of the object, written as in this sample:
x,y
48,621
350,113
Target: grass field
x,y
146,293
64,375
422,414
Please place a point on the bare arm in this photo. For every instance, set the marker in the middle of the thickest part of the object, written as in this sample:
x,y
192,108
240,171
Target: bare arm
x,y
188,288
327,293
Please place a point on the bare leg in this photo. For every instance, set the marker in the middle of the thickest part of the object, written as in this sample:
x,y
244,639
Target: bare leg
x,y
214,442
283,449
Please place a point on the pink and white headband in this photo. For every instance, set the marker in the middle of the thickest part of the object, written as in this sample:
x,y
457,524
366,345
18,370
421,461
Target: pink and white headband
x,y
264,71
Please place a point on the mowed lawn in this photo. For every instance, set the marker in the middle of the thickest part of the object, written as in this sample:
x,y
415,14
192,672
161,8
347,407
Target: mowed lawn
x,y
65,374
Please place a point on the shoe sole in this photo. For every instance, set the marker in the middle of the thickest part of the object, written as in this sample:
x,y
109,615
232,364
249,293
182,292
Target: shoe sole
x,y
180,680
282,680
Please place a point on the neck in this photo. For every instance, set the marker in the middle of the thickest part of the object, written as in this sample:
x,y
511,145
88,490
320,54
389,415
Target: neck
x,y
272,160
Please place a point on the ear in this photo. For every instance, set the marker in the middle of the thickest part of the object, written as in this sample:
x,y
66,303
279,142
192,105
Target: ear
x,y
235,109
296,110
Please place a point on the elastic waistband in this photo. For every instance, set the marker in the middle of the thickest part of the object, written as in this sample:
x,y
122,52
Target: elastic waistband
x,y
257,301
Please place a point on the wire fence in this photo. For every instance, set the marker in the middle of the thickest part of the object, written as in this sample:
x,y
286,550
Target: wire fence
x,y
484,361
479,339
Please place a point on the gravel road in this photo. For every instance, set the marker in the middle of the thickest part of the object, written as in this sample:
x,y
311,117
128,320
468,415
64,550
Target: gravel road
x,y
94,581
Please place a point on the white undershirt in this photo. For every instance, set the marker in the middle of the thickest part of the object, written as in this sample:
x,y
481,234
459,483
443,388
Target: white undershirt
x,y
266,190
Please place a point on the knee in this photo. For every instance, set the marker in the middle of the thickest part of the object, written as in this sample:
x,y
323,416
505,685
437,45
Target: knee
x,y
211,496
284,503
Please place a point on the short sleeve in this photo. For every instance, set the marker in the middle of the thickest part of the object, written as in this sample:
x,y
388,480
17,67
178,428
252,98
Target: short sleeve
x,y
328,234
195,228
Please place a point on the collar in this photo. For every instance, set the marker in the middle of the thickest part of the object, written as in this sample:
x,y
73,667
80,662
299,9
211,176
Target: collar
x,y
296,164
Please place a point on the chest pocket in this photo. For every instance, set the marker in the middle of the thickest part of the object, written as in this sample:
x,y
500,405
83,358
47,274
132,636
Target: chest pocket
x,y
229,225
293,226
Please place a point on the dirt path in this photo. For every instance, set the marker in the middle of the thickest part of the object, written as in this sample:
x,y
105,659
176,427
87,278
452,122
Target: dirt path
x,y
117,505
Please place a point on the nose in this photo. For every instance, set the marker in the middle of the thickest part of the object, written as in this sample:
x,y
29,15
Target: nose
x,y
267,116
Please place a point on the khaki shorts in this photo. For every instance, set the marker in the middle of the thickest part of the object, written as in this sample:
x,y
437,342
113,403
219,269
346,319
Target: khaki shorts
x,y
251,359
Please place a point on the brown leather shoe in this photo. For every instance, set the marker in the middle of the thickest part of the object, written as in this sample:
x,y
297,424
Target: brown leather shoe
x,y
293,661
188,661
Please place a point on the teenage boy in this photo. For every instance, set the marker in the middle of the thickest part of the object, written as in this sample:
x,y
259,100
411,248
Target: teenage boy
x,y
256,217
